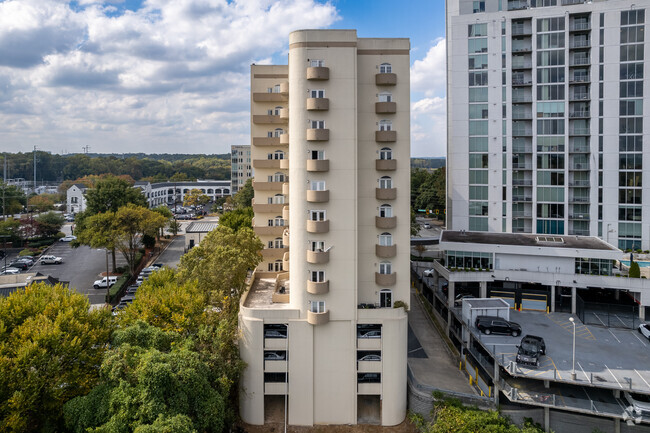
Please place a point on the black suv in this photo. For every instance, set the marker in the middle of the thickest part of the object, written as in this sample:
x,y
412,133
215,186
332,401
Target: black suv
x,y
530,349
497,325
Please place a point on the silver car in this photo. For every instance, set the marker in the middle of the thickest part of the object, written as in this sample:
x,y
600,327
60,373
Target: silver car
x,y
640,403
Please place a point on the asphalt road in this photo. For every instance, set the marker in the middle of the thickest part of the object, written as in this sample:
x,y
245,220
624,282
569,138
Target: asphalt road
x,y
171,257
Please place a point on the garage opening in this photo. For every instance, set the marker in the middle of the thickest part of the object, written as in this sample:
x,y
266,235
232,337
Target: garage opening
x,y
274,409
368,409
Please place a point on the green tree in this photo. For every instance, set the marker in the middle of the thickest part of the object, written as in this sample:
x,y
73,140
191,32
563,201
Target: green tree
x,y
220,264
167,214
49,223
130,224
51,345
12,199
635,270
41,203
196,198
244,197
174,227
98,231
11,228
112,193
238,218
151,381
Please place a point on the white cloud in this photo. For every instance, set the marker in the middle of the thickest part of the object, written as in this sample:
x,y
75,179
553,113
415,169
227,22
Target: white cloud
x,y
429,114
169,77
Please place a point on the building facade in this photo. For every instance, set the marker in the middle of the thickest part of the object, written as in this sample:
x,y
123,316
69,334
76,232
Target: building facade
x,y
171,193
76,198
330,150
240,167
545,118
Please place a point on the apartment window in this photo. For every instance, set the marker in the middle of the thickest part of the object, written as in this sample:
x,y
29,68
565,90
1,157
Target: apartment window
x,y
478,111
317,63
479,208
478,6
276,199
278,132
317,276
478,144
275,266
385,268
631,71
269,90
475,30
317,215
386,153
385,68
550,24
632,17
385,182
317,185
385,211
276,111
276,243
317,306
385,125
478,94
385,97
317,124
385,298
478,61
478,160
385,239
478,78
278,177
317,246
317,93
278,221
317,154
631,89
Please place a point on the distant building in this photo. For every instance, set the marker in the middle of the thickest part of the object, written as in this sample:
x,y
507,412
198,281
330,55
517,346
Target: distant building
x,y
240,166
169,193
196,231
76,198
11,283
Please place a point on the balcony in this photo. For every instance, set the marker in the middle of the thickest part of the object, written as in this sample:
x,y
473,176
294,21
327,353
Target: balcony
x,y
385,222
318,226
269,97
318,257
318,318
579,114
579,217
266,141
579,131
584,166
318,73
284,114
521,198
385,107
519,98
522,149
385,280
284,164
385,136
385,251
268,230
579,232
318,288
522,132
579,61
267,207
318,134
521,30
385,79
284,87
522,215
267,186
578,26
522,115
285,212
318,165
284,138
285,188
522,65
261,119
522,81
579,78
522,48
368,388
522,182
386,164
368,366
386,193
318,196
285,238
518,5
266,163
275,343
580,183
579,43
578,199
318,104
272,254
522,166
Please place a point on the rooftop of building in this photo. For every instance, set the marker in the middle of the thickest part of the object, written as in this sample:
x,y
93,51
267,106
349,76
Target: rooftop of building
x,y
527,240
262,290
201,227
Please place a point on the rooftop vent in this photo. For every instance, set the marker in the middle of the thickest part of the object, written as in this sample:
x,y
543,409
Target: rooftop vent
x,y
550,239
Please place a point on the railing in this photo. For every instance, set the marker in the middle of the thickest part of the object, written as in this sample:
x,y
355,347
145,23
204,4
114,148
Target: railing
x,y
579,131
580,183
579,113
584,217
521,198
519,30
580,25
522,81
522,49
579,149
580,60
522,98
579,96
522,115
579,166
522,65
524,182
522,132
572,2
579,78
579,200
523,166
580,43
522,149
579,232
522,215
517,5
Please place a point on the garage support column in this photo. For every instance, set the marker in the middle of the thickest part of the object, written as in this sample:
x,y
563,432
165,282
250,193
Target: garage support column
x,y
436,280
642,313
451,294
553,290
617,425
547,419
496,379
574,292
617,294
483,290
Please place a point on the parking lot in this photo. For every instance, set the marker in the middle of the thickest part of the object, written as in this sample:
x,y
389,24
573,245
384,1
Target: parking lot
x,y
604,357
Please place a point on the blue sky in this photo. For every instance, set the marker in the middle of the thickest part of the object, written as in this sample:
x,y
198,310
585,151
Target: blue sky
x,y
173,76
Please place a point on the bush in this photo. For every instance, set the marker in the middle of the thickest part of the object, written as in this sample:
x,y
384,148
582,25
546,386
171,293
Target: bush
x,y
116,288
635,271
401,304
28,252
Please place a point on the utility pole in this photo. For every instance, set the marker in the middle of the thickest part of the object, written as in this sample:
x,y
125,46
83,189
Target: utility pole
x,y
86,148
34,169
4,189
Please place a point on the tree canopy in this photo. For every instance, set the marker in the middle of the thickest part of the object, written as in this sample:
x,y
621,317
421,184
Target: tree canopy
x,y
196,198
244,197
112,193
238,218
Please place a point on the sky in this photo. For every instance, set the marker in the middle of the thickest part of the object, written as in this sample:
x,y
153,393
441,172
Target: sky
x,y
172,76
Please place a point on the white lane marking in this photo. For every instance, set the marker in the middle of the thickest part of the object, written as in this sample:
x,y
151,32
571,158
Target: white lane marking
x,y
646,382
609,330
637,337
620,320
610,372
583,371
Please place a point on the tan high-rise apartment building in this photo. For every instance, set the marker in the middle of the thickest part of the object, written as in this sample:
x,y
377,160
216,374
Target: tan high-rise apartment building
x,y
322,339
240,167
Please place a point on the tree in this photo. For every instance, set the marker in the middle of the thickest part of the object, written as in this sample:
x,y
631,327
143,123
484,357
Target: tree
x,y
49,223
98,231
51,345
174,227
238,218
41,203
167,214
112,193
10,227
130,224
635,270
151,381
14,199
244,197
220,264
196,198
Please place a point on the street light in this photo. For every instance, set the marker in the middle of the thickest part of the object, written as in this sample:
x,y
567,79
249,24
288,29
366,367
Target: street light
x,y
573,369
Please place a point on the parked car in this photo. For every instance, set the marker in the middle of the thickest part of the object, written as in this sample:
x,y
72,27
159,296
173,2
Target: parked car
x,y
640,403
273,333
10,271
51,260
139,280
274,356
370,334
29,260
458,302
131,290
101,284
426,226
530,350
497,325
370,357
428,272
644,329
68,238
19,265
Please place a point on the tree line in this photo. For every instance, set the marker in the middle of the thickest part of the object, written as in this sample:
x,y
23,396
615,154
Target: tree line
x,y
154,168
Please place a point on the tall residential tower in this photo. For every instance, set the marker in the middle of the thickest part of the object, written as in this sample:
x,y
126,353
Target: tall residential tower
x,y
545,118
330,149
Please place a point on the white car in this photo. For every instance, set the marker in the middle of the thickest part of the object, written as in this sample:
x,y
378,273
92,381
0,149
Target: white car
x,y
274,356
51,260
640,403
68,238
10,271
426,226
371,357
428,272
101,284
644,329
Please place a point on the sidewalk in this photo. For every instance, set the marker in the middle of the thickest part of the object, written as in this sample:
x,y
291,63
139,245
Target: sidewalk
x,y
438,369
